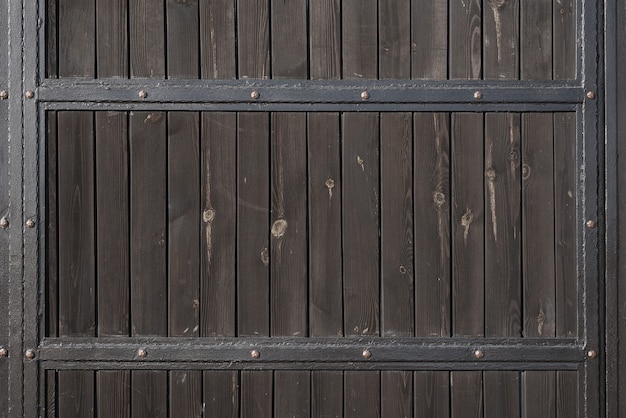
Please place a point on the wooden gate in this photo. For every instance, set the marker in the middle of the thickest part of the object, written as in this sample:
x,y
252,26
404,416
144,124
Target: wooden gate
x,y
325,208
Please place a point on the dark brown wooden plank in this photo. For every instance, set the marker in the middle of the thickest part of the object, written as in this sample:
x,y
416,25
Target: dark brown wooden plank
x,y
77,305
431,179
538,394
536,40
149,394
112,38
501,39
253,224
361,223
361,394
288,263
148,223
256,394
76,394
217,39
289,39
221,394
52,245
466,393
292,393
186,394
183,60
432,394
52,40
325,39
429,39
503,269
396,394
565,189
112,207
77,44
396,150
465,40
327,394
325,267
564,39
502,392
394,39
113,393
567,394
253,38
147,38
538,225
183,224
218,231
51,393
359,39
468,224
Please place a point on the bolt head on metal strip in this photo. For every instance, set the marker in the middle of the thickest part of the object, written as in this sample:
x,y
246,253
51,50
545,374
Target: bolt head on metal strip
x,y
4,94
142,94
4,352
479,354
592,354
478,95
30,223
591,224
367,354
255,354
29,94
255,95
141,353
591,95
30,354
365,95
4,223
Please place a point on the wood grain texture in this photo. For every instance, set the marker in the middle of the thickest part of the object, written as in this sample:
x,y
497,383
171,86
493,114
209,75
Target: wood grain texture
x,y
288,253
113,393
503,268
564,40
538,394
536,40
292,394
359,39
183,159
253,224
465,40
325,39
112,38
397,286
468,223
360,224
431,394
77,305
431,182
396,393
538,226
466,395
51,393
361,394
502,394
76,394
501,39
256,394
77,43
52,232
289,39
394,39
217,39
327,394
218,232
221,394
183,60
253,38
52,40
147,38
567,394
325,261
149,394
429,39
113,230
185,393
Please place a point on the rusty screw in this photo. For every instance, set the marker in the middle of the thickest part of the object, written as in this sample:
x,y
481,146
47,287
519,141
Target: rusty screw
x,y
591,95
4,352
367,354
479,354
255,354
592,354
30,354
365,95
255,95
591,224
4,223
29,94
30,223
142,94
4,94
478,95
142,353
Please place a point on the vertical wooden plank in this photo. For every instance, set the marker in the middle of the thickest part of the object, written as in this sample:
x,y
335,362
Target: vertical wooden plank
x,y
112,38
76,394
218,231
429,39
289,281
538,394
113,393
52,38
289,39
185,394
359,39
536,40
221,394
147,38
325,39
217,39
257,394
292,394
253,38
77,38
396,394
183,40
465,39
467,395
253,257
501,39
567,394
361,394
112,207
432,394
52,246
468,224
564,38
503,269
325,267
149,394
394,39
502,392
538,225
327,394
77,316
51,393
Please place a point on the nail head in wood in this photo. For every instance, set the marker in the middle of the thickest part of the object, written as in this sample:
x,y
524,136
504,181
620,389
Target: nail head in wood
x,y
4,94
29,94
142,353
255,354
255,95
365,95
30,354
142,94
591,224
479,354
478,95
4,223
4,352
592,354
30,223
591,95
367,354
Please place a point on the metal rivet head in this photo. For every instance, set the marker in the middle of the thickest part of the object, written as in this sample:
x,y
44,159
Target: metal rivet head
x,y
478,95
4,352
479,354
255,354
591,224
29,94
30,354
365,95
142,353
4,223
4,94
592,354
367,354
30,223
142,94
591,95
255,95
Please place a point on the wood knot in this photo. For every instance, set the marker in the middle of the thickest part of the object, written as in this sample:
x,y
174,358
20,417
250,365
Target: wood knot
x,y
467,218
153,117
208,215
279,228
265,257
360,162
439,198
525,171
330,183
491,174
513,155
402,270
